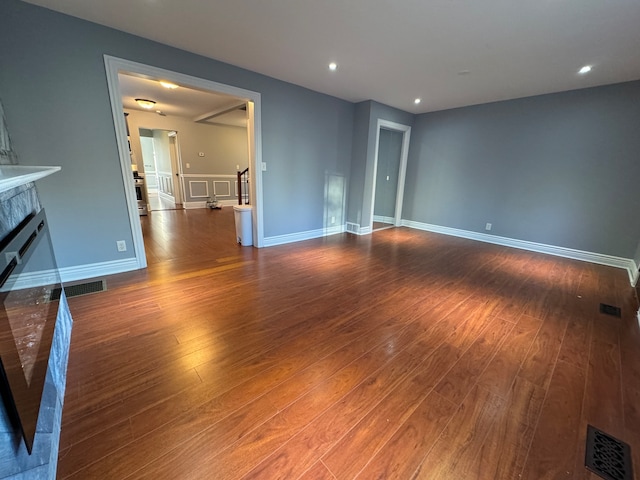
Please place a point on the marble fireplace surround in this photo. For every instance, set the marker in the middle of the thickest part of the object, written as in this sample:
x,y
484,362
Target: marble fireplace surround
x,y
18,198
15,462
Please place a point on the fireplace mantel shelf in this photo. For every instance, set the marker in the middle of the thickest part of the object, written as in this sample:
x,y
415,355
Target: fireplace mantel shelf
x,y
12,176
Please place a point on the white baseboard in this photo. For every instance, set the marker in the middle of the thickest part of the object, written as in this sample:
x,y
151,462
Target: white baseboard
x,y
166,196
203,204
383,219
626,263
191,205
80,272
300,236
636,274
356,229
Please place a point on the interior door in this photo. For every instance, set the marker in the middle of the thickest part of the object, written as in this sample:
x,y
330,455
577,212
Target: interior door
x,y
176,169
387,174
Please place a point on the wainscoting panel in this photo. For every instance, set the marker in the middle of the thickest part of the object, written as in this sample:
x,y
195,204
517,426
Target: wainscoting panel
x,y
198,189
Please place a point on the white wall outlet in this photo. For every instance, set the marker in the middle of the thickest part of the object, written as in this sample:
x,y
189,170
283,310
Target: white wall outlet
x,y
201,154
122,245
488,226
264,166
237,167
188,165
333,220
387,178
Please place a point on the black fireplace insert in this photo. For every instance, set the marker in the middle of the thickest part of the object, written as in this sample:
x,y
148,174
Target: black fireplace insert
x,y
29,287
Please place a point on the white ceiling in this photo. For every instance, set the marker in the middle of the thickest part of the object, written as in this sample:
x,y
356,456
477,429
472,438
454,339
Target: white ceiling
x,y
182,101
393,51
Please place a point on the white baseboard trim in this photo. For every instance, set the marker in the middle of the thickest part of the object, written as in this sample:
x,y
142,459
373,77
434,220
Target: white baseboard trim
x,y
82,272
356,229
383,219
224,203
626,263
636,274
166,196
191,205
300,236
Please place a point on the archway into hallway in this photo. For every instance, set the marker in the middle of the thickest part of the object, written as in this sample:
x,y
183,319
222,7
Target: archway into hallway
x,y
114,66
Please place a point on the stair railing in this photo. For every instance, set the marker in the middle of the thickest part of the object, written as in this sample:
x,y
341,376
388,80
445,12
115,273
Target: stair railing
x,y
243,178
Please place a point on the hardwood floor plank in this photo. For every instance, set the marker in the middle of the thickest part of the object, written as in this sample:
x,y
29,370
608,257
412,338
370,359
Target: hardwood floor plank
x,y
402,454
464,374
351,453
541,359
501,372
301,451
602,400
454,452
553,449
505,449
318,472
195,455
220,361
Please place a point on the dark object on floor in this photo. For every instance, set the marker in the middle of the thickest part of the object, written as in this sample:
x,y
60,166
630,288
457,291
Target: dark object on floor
x,y
610,310
80,289
607,456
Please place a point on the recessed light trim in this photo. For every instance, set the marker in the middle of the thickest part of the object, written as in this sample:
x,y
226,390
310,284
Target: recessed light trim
x,y
144,103
585,69
169,85
333,66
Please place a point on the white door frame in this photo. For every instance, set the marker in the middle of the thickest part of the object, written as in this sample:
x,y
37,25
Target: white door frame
x,y
406,136
113,66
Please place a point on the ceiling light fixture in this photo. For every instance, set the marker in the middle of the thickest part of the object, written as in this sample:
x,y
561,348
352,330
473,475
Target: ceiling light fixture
x,y
333,66
148,104
585,69
169,85
417,101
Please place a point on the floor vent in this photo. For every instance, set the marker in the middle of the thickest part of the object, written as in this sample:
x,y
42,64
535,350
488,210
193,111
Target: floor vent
x,y
610,310
607,456
80,289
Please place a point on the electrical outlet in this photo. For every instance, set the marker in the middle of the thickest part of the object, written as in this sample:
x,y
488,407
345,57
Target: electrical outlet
x,y
264,166
333,220
122,245
237,167
488,226
188,165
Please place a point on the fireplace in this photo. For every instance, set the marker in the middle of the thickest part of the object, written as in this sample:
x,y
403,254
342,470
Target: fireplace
x,y
30,292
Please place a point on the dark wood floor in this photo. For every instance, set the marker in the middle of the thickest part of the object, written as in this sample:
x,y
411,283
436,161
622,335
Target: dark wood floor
x,y
402,354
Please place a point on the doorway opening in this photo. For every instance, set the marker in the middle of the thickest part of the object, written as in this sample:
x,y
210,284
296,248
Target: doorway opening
x,y
190,192
162,169
390,164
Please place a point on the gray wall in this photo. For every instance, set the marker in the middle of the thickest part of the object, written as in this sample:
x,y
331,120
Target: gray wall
x,y
558,169
54,89
363,159
224,146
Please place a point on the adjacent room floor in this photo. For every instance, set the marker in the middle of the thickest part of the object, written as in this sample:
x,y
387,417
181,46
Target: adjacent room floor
x,y
402,354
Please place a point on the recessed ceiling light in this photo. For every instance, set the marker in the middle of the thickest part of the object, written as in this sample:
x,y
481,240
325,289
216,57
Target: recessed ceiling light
x,y
333,66
464,72
148,104
585,69
168,85
417,101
